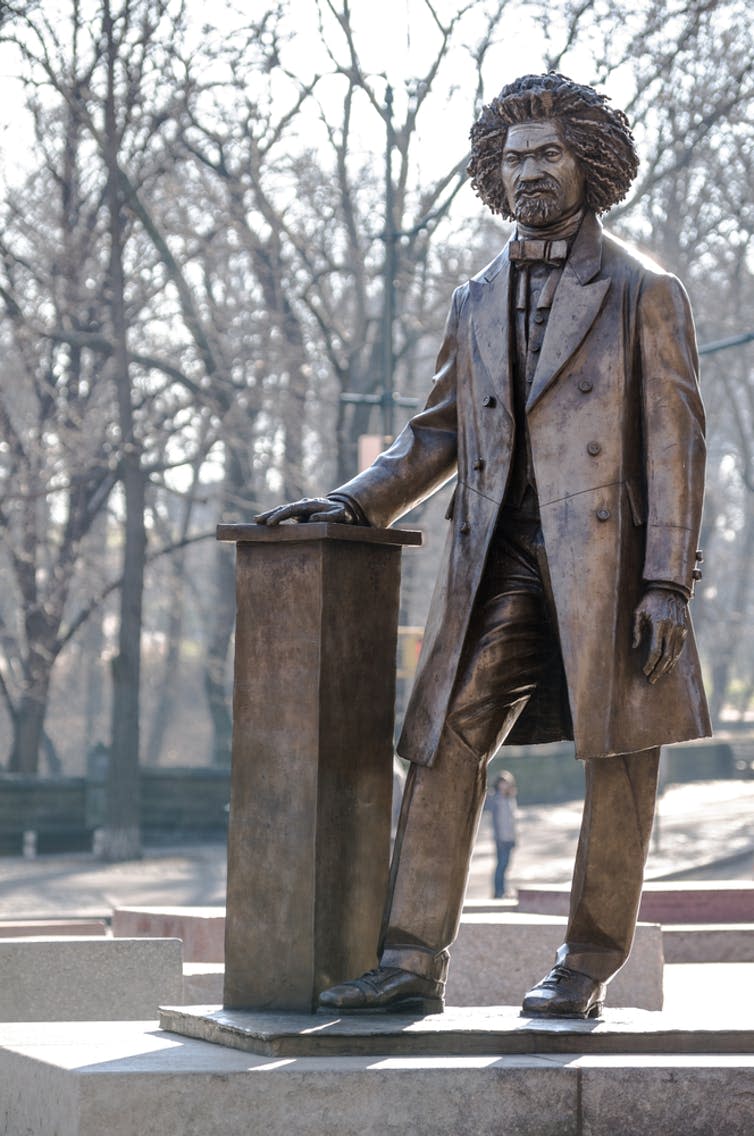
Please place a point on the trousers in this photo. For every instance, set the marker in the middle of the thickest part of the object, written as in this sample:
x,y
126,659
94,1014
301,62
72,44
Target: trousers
x,y
509,648
503,849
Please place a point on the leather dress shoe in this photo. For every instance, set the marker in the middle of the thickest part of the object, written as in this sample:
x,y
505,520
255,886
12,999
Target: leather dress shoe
x,y
387,989
565,993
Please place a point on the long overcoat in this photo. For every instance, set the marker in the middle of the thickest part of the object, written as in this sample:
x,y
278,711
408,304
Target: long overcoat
x,y
616,429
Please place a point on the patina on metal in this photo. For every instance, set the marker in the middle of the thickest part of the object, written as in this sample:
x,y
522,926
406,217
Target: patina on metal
x,y
312,773
566,401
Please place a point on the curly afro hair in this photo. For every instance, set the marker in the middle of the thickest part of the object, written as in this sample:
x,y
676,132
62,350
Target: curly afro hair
x,y
598,136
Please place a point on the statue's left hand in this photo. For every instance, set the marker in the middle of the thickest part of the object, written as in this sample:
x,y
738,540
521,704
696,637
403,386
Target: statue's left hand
x,y
664,615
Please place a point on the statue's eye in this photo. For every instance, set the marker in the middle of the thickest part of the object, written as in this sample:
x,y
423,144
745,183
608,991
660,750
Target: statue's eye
x,y
552,154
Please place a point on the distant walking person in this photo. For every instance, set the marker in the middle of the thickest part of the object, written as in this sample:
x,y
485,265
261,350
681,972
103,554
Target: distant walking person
x,y
502,807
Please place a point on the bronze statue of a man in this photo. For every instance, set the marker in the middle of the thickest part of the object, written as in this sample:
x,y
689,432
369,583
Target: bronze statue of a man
x,y
566,400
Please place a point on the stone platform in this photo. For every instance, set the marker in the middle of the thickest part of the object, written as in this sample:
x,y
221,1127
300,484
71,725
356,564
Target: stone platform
x,y
85,1079
459,1031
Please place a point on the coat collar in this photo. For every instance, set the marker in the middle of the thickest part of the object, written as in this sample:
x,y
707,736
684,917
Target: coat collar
x,y
586,255
575,307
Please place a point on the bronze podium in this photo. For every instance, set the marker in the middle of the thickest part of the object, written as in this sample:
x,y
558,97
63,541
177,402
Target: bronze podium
x,y
311,782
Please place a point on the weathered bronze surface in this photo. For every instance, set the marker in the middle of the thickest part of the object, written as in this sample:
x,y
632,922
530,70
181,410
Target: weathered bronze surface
x,y
309,831
566,401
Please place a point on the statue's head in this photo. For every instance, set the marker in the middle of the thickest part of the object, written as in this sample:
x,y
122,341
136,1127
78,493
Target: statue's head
x,y
596,136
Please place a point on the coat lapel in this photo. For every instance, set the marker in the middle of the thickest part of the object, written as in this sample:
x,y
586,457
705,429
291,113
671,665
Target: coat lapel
x,y
490,320
577,303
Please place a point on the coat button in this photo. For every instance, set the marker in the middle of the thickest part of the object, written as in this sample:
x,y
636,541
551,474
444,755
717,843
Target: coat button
x,y
535,347
699,556
603,514
479,464
585,385
490,401
465,528
697,574
593,448
539,318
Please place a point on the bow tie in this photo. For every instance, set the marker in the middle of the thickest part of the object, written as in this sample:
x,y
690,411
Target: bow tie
x,y
531,251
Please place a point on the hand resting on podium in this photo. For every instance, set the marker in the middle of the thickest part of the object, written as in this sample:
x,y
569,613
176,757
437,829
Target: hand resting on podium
x,y
333,510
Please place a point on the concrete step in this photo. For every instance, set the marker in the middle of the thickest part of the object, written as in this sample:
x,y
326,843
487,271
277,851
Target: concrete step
x,y
33,928
708,942
85,1079
87,979
714,901
203,982
201,929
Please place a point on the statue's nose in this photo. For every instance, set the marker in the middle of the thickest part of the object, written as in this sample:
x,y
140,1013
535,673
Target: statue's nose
x,y
530,169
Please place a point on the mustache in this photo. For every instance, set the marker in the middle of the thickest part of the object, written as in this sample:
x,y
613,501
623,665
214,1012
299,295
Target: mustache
x,y
535,188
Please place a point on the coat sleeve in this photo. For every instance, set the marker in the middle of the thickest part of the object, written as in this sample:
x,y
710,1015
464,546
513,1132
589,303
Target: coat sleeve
x,y
424,455
673,422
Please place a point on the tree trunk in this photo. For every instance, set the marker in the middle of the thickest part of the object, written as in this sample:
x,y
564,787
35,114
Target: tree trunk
x,y
28,727
93,642
122,836
29,715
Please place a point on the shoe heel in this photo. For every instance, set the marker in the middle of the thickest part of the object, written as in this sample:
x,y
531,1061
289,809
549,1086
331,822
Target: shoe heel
x,y
433,1005
595,1011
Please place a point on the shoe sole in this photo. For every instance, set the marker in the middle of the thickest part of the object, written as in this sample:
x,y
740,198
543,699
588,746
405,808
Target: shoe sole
x,y
593,1012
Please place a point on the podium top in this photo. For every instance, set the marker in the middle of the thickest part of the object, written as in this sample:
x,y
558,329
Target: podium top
x,y
319,530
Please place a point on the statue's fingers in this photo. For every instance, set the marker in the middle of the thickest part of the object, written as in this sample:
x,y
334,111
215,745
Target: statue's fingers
x,y
336,515
656,652
666,663
283,513
272,516
677,641
638,625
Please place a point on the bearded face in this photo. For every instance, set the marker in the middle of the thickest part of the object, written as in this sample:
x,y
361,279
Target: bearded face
x,y
537,203
543,181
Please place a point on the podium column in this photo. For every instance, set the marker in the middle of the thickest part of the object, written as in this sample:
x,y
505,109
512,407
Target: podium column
x,y
311,781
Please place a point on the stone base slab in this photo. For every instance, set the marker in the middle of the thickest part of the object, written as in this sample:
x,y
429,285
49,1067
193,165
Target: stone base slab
x,y
85,1079
87,979
459,1031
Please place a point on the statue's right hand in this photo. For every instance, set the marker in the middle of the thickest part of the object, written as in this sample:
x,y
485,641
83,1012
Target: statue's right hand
x,y
310,509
